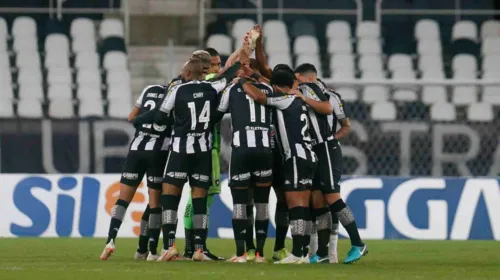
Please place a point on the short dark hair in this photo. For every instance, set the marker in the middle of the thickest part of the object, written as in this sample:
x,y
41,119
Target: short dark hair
x,y
306,68
286,68
282,78
213,52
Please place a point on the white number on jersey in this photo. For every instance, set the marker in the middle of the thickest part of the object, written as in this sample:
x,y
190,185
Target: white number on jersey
x,y
150,104
303,118
204,115
251,103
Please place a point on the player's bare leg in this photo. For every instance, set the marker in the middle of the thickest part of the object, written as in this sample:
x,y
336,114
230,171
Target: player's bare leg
x,y
323,226
240,222
298,203
117,215
343,213
154,223
200,222
261,198
282,220
142,248
171,196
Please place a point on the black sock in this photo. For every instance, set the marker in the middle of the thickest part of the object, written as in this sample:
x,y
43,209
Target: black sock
x,y
240,219
261,195
200,222
250,224
240,224
118,213
189,247
307,231
346,218
298,227
282,219
323,225
144,234
170,205
154,229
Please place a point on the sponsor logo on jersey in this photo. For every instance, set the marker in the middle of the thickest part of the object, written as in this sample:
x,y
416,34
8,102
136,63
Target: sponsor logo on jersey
x,y
130,176
194,134
198,95
257,128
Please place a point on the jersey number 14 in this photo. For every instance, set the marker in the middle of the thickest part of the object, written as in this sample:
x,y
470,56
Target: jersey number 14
x,y
204,115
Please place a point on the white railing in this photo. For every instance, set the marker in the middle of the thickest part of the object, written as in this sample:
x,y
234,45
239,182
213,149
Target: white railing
x,y
259,11
457,12
415,82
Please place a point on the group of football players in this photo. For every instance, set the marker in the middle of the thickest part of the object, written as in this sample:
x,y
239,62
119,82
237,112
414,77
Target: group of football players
x,y
286,126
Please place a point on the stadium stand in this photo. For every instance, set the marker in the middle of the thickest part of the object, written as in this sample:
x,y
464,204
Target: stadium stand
x,y
64,70
466,49
86,61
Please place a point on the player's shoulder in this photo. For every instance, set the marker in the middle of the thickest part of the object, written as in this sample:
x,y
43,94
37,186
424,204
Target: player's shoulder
x,y
264,86
313,88
154,88
233,87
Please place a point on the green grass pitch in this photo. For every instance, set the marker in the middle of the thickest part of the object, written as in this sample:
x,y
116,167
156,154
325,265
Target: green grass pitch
x,y
76,259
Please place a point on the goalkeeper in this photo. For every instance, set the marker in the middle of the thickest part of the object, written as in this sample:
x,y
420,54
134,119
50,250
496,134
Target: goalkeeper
x,y
215,68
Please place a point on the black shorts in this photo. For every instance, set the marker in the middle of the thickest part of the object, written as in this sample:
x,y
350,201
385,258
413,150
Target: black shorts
x,y
138,163
197,168
329,169
250,166
298,174
278,174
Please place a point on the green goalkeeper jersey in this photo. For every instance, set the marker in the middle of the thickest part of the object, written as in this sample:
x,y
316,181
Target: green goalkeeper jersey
x,y
215,188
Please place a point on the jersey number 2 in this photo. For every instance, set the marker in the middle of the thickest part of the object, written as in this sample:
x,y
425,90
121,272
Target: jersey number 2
x,y
304,131
204,115
150,104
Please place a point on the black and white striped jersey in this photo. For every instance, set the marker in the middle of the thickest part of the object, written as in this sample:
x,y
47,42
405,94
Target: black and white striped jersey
x,y
292,126
191,104
149,136
321,130
175,81
251,122
337,104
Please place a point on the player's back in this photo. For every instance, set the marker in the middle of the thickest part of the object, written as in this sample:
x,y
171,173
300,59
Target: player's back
x,y
194,102
293,125
150,136
251,122
338,106
321,129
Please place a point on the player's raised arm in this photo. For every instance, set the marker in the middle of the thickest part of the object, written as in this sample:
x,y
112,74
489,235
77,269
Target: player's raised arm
x,y
260,56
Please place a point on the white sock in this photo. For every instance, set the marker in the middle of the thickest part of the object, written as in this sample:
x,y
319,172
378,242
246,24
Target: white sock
x,y
334,238
313,245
